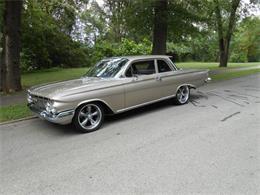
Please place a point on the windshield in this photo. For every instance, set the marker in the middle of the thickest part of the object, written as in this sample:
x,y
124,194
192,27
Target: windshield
x,y
107,68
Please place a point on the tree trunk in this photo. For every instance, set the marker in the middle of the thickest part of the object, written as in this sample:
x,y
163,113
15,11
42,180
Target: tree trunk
x,y
223,59
224,52
12,36
160,27
224,39
3,67
2,60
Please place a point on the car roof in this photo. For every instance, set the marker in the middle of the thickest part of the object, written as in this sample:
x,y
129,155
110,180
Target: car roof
x,y
140,57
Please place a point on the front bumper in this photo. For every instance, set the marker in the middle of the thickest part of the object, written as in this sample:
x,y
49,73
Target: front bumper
x,y
62,118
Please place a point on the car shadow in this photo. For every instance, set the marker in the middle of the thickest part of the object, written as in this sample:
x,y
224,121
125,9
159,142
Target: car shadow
x,y
137,112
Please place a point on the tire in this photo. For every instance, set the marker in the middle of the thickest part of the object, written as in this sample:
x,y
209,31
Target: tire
x,y
182,95
88,117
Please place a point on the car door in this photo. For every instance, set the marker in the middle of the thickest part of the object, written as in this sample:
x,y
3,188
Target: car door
x,y
142,86
168,78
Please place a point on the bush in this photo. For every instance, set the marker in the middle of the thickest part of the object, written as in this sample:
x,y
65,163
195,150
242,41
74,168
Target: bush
x,y
126,47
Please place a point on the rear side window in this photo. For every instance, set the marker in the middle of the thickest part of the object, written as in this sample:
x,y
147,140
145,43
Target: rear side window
x,y
163,66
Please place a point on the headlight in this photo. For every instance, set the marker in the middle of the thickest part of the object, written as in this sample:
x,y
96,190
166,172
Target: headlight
x,y
49,107
29,98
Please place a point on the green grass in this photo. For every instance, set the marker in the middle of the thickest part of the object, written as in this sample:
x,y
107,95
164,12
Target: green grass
x,y
8,113
214,65
234,74
51,75
58,74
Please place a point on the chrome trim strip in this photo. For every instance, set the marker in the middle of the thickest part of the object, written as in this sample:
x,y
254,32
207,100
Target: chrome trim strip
x,y
144,104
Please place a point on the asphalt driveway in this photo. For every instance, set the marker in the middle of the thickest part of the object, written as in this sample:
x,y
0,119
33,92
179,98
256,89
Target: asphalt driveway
x,y
209,146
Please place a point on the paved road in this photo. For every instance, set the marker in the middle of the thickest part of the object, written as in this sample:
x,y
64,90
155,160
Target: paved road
x,y
209,146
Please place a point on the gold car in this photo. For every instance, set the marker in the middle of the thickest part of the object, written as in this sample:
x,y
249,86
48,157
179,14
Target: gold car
x,y
112,86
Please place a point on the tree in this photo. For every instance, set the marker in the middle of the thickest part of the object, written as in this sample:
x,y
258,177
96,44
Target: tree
x,y
2,61
160,27
245,46
224,35
10,66
53,41
93,20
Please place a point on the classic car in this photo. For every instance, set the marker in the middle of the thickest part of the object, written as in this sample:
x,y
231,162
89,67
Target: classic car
x,y
112,86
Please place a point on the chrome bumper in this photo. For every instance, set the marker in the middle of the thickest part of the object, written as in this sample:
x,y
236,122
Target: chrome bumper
x,y
62,118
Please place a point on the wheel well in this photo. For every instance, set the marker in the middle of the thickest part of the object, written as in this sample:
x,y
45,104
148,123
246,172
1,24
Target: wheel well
x,y
189,85
107,109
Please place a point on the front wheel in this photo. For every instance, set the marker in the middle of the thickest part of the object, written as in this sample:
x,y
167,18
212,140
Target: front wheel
x,y
88,117
182,95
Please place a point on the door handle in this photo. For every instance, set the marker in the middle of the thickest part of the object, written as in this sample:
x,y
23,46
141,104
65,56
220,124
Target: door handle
x,y
158,78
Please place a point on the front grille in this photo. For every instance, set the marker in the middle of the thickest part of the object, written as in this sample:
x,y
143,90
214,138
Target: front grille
x,y
39,102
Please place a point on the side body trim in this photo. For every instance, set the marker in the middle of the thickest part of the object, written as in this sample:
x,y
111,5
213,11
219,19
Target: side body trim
x,y
144,104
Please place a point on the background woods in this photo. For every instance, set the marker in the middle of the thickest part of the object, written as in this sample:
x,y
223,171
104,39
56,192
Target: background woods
x,y
38,34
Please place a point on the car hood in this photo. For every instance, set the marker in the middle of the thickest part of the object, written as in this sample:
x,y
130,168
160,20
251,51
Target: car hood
x,y
65,88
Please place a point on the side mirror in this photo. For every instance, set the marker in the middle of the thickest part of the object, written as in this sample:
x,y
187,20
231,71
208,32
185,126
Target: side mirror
x,y
135,77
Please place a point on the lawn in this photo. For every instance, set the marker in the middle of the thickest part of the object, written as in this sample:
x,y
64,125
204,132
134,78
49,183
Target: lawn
x,y
51,75
59,74
12,112
214,65
233,74
17,111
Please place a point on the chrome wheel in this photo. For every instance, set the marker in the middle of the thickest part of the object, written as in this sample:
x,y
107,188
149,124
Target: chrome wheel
x,y
90,116
183,94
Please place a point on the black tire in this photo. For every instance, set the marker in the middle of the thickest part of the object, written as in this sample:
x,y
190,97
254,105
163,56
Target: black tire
x,y
80,117
182,98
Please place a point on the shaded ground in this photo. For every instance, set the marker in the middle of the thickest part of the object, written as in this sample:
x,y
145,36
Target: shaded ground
x,y
209,146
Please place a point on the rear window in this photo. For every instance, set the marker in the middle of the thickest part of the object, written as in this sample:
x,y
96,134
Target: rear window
x,y
163,66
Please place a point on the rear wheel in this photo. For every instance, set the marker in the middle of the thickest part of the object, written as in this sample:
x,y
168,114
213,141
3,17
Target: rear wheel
x,y
89,117
182,95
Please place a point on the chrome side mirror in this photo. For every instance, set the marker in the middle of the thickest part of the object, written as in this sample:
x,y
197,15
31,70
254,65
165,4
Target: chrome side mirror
x,y
135,77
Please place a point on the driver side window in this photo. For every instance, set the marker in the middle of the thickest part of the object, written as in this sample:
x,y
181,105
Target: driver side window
x,y
141,68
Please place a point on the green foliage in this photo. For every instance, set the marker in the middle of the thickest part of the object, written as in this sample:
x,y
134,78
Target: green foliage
x,y
76,33
45,43
93,19
126,47
129,47
246,44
